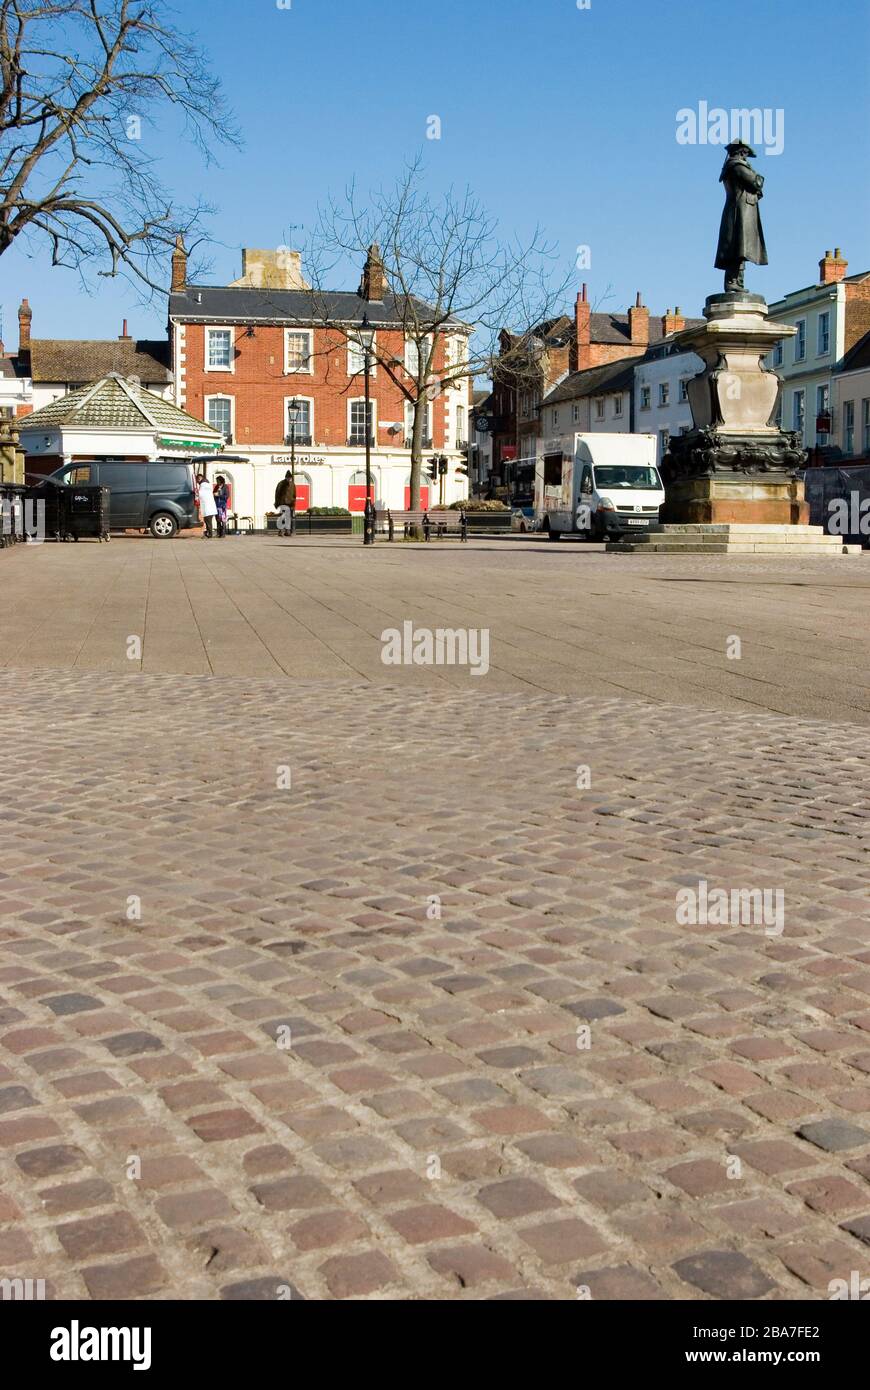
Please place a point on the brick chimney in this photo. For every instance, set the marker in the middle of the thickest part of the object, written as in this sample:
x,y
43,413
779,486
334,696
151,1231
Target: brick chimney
x,y
124,336
179,266
638,323
672,322
582,331
373,285
25,318
832,268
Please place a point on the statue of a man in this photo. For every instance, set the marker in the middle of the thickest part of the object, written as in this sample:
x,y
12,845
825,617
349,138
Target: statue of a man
x,y
741,237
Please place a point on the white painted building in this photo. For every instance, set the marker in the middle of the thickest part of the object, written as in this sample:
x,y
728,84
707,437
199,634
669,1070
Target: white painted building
x,y
661,405
829,317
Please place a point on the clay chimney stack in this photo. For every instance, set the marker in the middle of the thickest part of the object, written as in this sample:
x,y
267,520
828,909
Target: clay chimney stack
x,y
832,268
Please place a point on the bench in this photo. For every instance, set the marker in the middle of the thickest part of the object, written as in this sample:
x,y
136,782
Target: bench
x,y
234,523
434,522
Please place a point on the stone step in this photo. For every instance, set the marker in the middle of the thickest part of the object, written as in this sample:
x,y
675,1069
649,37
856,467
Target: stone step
x,y
731,548
827,543
734,527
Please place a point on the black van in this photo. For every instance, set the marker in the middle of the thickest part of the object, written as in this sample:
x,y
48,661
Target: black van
x,y
159,497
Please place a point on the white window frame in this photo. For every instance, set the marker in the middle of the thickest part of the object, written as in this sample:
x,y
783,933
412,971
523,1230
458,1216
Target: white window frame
x,y
646,397
409,419
617,407
865,425
799,397
800,341
299,371
575,414
221,396
824,320
220,328
412,351
776,357
664,394
599,407
461,426
373,423
683,389
309,400
555,417
849,428
664,442
356,347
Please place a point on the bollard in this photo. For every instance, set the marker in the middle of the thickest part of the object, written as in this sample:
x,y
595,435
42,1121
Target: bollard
x,y
463,525
390,526
427,526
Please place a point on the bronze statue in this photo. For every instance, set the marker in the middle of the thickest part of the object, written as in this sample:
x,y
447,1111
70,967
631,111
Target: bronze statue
x,y
741,238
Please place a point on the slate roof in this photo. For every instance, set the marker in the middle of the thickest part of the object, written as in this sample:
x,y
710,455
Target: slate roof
x,y
242,304
858,356
614,328
87,359
594,381
113,403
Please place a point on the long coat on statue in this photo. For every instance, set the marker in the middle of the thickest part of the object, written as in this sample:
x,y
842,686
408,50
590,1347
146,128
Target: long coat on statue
x,y
740,234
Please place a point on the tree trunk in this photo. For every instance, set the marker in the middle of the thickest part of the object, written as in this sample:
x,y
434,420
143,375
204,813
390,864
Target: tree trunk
x,y
417,449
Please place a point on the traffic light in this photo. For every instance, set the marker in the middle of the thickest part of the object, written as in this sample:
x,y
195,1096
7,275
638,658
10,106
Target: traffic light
x,y
432,469
442,465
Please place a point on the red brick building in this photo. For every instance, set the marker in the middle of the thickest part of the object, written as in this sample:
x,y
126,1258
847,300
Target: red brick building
x,y
241,353
533,365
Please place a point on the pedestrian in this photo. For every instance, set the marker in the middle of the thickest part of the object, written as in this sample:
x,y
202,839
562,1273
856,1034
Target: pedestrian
x,y
285,502
207,507
221,501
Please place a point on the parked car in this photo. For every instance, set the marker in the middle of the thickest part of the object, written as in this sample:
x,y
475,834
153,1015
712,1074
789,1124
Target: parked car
x,y
157,497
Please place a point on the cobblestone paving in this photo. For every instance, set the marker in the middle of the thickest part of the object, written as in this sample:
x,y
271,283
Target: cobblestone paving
x,y
330,1038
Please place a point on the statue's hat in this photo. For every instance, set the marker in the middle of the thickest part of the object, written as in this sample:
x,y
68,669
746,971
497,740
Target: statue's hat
x,y
741,145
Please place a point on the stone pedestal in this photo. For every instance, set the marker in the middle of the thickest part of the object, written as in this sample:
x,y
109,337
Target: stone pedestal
x,y
775,499
731,483
736,465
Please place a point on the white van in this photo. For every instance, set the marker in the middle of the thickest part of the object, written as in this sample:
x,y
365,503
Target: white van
x,y
609,486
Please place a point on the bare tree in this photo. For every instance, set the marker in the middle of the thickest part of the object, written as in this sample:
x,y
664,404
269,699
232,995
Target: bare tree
x,y
80,83
451,287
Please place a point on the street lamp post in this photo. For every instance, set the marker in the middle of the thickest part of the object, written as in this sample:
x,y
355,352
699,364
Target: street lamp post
x,y
366,337
294,410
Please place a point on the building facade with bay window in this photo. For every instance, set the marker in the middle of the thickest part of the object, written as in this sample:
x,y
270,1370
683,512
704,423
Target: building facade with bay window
x,y
275,367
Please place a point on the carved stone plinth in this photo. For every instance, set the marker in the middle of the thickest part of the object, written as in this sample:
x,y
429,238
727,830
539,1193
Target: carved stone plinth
x,y
771,498
736,465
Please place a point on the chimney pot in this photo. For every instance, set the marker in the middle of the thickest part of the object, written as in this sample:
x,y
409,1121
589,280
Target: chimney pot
x,y
837,252
637,302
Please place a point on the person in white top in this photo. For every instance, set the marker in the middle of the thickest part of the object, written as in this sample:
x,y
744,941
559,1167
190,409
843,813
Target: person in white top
x,y
207,505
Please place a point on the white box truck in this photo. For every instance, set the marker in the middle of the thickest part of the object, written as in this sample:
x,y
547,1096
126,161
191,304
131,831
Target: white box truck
x,y
608,486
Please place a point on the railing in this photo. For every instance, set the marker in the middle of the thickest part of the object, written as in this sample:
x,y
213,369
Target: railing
x,y
358,441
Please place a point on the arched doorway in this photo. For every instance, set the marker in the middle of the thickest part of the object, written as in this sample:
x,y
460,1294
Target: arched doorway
x,y
424,494
303,492
356,490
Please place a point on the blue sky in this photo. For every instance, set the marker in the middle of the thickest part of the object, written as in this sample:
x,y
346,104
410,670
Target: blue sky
x,y
553,114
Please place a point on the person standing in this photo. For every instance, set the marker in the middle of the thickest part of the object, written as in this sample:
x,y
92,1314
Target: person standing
x,y
207,505
285,502
221,501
